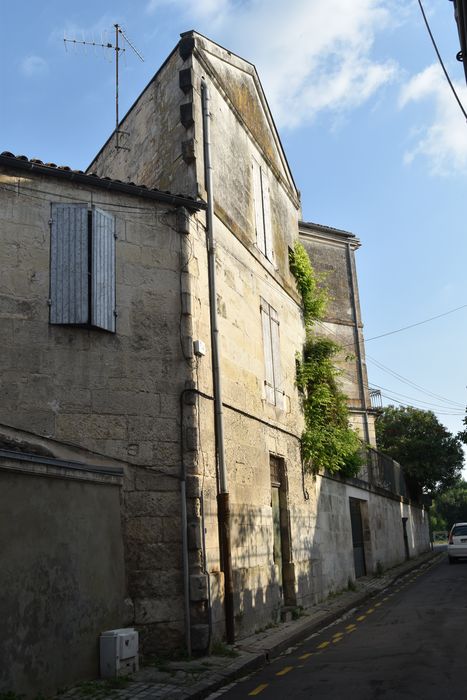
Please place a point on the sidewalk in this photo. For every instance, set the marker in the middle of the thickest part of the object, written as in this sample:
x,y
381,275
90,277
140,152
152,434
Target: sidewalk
x,y
198,678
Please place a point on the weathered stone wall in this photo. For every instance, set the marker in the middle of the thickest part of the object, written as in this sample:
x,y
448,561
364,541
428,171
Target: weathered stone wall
x,y
62,575
117,394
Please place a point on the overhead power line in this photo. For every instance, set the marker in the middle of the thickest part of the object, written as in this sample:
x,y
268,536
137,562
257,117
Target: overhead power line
x,y
405,380
456,405
407,405
428,405
419,323
434,406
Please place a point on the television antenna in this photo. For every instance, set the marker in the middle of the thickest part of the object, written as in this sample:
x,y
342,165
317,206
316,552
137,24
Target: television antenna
x,y
117,48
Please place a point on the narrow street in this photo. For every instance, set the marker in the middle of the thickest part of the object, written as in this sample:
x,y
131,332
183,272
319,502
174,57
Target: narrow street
x,y
408,642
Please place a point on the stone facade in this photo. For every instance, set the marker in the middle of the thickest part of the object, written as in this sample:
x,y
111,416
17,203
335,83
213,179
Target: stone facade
x,y
141,395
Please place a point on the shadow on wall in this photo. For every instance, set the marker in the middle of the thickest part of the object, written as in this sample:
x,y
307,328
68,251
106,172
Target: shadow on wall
x,y
298,555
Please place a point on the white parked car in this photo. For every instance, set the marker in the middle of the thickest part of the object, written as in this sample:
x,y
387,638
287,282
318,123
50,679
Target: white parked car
x,y
457,542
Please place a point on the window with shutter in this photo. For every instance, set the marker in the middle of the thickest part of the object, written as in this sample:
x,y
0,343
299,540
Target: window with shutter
x,y
274,393
262,205
82,267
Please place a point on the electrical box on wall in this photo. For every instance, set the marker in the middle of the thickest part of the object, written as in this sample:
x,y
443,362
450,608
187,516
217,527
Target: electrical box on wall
x,y
118,652
199,348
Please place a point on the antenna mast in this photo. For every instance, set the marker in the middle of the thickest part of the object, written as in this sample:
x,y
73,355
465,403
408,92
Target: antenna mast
x,y
115,47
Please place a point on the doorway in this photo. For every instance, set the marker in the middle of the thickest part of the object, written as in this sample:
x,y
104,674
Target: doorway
x,y
357,537
406,538
282,546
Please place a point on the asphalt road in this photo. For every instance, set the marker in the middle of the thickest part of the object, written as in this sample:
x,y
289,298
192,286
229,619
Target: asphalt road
x,y
408,642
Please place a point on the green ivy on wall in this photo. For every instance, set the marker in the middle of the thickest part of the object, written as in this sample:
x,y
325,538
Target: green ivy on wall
x,y
328,441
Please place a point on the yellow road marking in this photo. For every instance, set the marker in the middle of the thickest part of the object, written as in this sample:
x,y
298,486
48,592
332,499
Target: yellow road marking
x,y
305,656
323,645
354,629
338,639
351,627
370,610
285,670
338,634
361,618
377,605
259,689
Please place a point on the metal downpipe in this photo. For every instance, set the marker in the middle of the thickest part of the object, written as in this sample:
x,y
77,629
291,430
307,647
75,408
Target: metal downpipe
x,y
357,345
223,505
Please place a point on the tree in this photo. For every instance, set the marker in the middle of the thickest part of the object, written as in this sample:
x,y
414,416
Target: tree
x,y
431,456
450,507
462,435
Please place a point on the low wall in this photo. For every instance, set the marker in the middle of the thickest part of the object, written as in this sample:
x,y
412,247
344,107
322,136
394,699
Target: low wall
x,y
61,574
326,564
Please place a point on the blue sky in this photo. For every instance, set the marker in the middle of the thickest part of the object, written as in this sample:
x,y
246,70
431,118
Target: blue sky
x,y
373,135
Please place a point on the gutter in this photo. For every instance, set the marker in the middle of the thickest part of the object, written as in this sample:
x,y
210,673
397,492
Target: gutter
x,y
357,343
223,503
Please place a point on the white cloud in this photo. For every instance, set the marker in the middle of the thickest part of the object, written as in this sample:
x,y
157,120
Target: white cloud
x,y
312,56
443,142
200,10
33,66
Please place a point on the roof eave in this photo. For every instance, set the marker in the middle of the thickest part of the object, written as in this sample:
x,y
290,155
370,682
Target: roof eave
x,y
101,183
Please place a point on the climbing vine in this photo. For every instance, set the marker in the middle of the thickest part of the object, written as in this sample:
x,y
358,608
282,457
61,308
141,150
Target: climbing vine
x,y
328,442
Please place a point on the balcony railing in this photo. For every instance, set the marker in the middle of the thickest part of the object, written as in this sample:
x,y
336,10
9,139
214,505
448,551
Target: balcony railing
x,y
382,471
376,399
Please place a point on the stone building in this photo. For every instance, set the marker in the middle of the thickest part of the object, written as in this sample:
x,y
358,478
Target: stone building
x,y
149,348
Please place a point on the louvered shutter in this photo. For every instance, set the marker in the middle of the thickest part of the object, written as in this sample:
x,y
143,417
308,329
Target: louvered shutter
x,y
268,356
258,204
267,217
276,359
103,271
69,280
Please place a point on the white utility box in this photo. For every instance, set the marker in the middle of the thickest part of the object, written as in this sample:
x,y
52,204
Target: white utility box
x,y
119,652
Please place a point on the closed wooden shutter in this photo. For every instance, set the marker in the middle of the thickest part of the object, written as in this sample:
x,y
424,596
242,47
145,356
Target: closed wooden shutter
x,y
268,249
268,357
69,273
258,204
276,359
103,271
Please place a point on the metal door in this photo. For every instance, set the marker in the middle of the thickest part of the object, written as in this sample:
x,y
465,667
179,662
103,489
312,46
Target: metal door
x,y
357,537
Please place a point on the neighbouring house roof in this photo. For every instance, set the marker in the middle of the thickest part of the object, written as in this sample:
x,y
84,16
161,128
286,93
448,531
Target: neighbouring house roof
x,y
335,234
37,166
